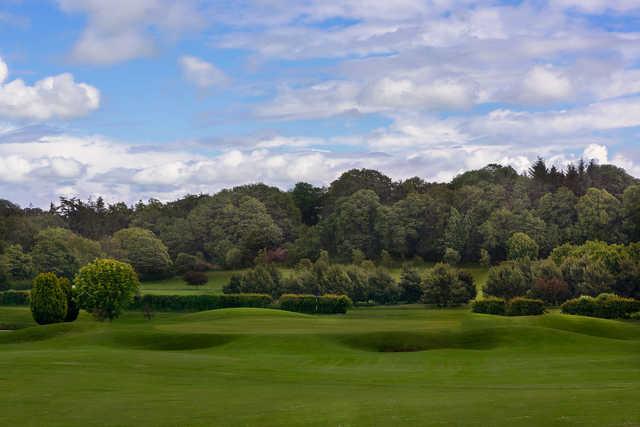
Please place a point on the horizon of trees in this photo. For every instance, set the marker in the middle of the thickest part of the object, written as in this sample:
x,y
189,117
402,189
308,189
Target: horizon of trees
x,y
362,214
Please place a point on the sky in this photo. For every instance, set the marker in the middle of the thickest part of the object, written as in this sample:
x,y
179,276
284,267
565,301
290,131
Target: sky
x,y
139,99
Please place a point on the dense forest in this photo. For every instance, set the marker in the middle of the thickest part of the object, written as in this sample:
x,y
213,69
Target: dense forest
x,y
363,214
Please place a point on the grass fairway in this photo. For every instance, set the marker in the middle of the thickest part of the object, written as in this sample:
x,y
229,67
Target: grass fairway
x,y
375,366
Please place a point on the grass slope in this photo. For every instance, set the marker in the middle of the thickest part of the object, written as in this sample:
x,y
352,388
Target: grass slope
x,y
374,366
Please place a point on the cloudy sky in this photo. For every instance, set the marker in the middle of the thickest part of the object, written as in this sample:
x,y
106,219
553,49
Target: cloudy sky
x,y
132,99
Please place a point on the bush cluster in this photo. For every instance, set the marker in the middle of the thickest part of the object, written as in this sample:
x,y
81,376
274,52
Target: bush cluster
x,y
489,305
200,302
571,271
14,298
363,282
311,304
195,278
607,306
446,286
518,306
521,306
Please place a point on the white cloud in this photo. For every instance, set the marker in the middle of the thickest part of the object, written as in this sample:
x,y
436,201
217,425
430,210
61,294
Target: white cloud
x,y
119,30
201,73
596,152
56,97
4,71
543,84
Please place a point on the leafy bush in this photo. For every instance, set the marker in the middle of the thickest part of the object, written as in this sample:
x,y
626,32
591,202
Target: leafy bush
x,y
14,298
410,285
196,278
187,262
445,286
520,306
200,302
490,305
635,316
72,307
105,287
507,280
548,283
311,304
607,306
48,300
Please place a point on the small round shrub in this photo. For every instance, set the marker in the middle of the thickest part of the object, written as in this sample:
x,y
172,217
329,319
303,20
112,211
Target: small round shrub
x,y
72,307
524,307
105,287
48,300
489,305
196,278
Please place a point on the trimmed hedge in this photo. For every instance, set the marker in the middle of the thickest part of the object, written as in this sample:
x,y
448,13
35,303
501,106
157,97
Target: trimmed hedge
x,y
607,306
14,298
311,304
524,307
199,302
490,305
515,307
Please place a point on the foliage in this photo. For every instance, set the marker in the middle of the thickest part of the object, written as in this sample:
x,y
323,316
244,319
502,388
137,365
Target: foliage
x,y
446,286
451,257
48,299
521,306
63,252
608,306
195,278
72,306
548,283
106,287
15,298
141,248
410,285
311,304
521,246
507,280
18,265
187,262
200,302
599,216
490,305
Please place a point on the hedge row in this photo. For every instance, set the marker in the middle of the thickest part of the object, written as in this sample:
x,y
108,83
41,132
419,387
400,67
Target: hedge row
x,y
515,307
199,302
311,304
607,306
14,298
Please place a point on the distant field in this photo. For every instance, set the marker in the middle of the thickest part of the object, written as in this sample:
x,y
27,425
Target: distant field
x,y
402,365
217,279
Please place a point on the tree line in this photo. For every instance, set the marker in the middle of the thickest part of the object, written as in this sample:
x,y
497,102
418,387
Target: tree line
x,y
361,215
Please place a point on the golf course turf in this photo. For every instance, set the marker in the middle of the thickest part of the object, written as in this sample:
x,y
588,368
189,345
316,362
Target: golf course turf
x,y
402,365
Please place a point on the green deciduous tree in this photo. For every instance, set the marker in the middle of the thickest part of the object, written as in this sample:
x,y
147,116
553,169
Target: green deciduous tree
x,y
445,286
143,250
600,216
105,287
521,246
410,284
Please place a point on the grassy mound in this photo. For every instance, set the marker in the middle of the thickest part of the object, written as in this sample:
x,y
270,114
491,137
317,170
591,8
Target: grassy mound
x,y
163,341
240,313
400,342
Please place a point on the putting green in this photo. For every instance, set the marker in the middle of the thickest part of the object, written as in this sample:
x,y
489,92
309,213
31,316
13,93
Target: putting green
x,y
375,366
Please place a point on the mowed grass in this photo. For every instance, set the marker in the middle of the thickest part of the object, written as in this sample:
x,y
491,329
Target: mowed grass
x,y
217,279
403,365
